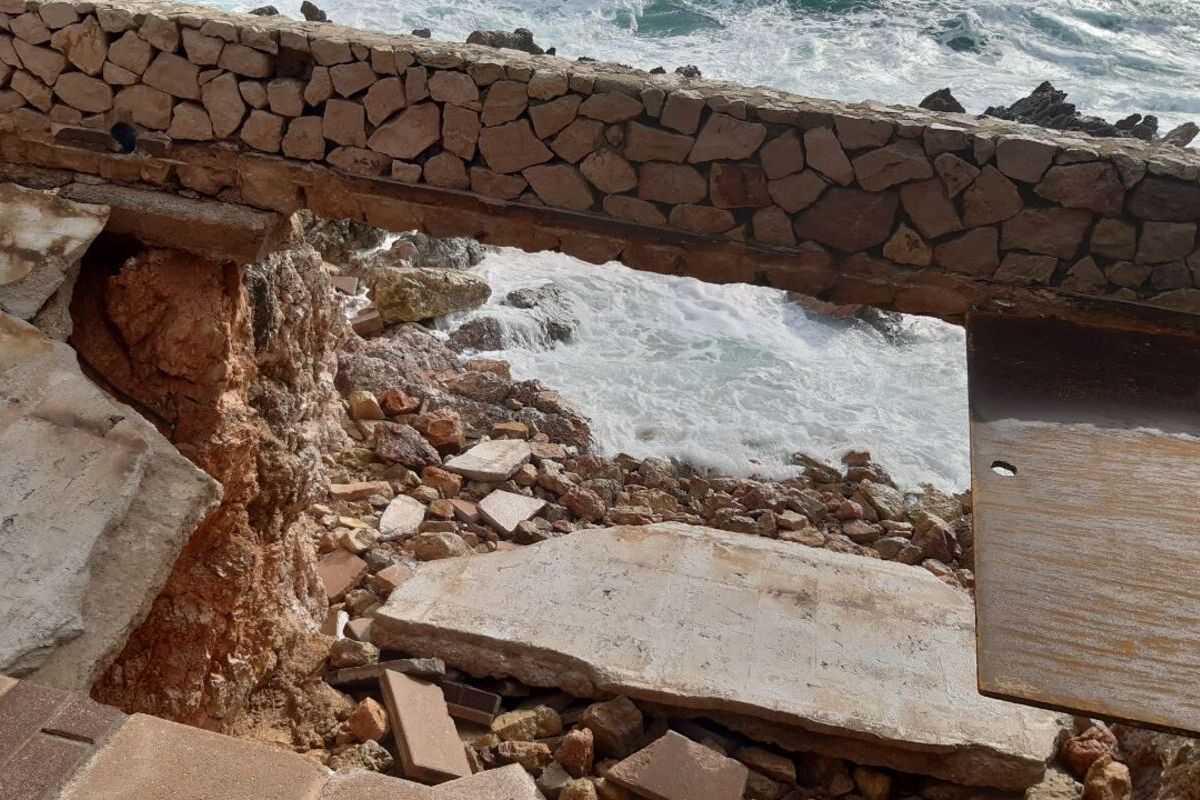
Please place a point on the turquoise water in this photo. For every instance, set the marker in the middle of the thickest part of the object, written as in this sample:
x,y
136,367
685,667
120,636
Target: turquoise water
x,y
1113,57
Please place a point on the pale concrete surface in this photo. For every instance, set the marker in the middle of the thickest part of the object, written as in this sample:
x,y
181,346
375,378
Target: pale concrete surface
x,y
492,461
96,507
505,510
42,236
153,759
867,659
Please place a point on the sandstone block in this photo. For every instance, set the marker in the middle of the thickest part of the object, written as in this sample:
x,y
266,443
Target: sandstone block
x,y
1127,274
858,134
285,96
223,102
896,163
547,84
1026,268
823,152
1050,231
203,51
1165,200
412,294
328,52
43,62
385,98
345,123
190,123
907,247
174,75
609,172
460,131
146,106
29,27
506,510
455,88
1165,241
631,209
681,112
550,118
797,191
263,131
975,252
783,155
671,183
160,32
772,225
1114,238
83,92
738,186
416,84
57,15
849,219
611,107
512,147
644,143
724,137
991,198
676,768
578,139
131,52
359,161
340,571
428,744
506,100
410,134
930,207
447,171
246,61
369,721
955,173
350,79
117,76
1024,159
701,219
493,184
84,45
1095,186
319,87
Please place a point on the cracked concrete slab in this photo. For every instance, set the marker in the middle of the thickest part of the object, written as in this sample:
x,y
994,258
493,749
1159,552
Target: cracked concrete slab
x,y
95,506
864,659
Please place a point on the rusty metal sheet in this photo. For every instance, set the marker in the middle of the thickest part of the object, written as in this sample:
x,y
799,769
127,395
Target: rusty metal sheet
x,y
1085,448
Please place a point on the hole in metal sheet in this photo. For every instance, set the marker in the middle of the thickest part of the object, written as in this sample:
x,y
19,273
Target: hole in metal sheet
x,y
1004,469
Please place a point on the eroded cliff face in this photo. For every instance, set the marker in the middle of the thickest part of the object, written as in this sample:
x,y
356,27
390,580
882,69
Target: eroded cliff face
x,y
234,364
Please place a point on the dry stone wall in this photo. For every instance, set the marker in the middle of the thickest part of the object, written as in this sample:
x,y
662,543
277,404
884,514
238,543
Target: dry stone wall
x,y
854,203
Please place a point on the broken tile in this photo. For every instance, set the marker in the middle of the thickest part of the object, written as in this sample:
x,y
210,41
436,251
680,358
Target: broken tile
x,y
425,737
492,461
505,510
340,571
676,768
470,704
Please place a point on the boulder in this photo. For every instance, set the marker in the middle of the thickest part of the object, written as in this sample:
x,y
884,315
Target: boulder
x,y
412,294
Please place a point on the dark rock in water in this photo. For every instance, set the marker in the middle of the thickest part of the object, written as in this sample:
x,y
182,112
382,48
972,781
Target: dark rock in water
x,y
589,60
658,71
556,310
265,11
889,323
1126,123
1048,107
1146,129
479,334
338,240
943,100
422,250
688,71
312,13
422,33
519,39
1183,135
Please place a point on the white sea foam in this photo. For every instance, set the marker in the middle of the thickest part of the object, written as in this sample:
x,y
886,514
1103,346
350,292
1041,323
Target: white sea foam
x,y
737,378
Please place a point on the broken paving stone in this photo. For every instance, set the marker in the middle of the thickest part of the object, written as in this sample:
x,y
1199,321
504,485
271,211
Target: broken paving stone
x,y
676,768
902,644
429,747
339,572
492,461
506,510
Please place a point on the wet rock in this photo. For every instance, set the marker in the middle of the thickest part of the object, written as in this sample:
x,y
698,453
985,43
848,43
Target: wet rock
x,y
519,39
1048,107
409,295
1182,135
312,12
943,100
480,334
337,240
420,250
556,309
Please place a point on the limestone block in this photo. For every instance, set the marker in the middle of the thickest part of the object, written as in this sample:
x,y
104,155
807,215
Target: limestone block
x,y
41,238
410,134
512,147
174,75
745,630
578,139
97,505
550,118
849,219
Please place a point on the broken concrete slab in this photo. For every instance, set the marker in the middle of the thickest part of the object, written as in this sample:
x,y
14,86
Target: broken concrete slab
x,y
429,747
858,658
676,768
361,784
42,236
506,510
507,783
491,461
96,508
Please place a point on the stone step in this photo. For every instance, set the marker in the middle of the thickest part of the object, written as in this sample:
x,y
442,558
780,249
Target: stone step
x,y
852,657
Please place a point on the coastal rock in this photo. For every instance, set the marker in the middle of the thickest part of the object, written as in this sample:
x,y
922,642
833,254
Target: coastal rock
x,y
412,294
519,39
943,100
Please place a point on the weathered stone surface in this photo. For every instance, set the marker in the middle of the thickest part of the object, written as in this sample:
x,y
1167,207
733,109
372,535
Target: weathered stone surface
x,y
42,238
631,209
701,219
831,625
550,118
506,100
823,152
930,207
493,184
1051,231
43,62
783,155
738,186
401,518
455,88
643,143
724,137
512,147
907,247
385,98
975,252
798,191
1095,186
1166,241
414,293
577,139
611,107
84,44
263,131
87,94
98,506
350,79
897,163
956,173
608,172
176,76
245,61
1165,200
771,225
991,198
559,186
849,219
506,510
491,461
1114,238
1024,159
224,105
131,52
446,170
671,183
676,768
1026,268
146,106
410,134
190,123
305,138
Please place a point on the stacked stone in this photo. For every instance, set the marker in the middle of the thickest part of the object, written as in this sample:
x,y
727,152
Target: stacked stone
x,y
839,194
